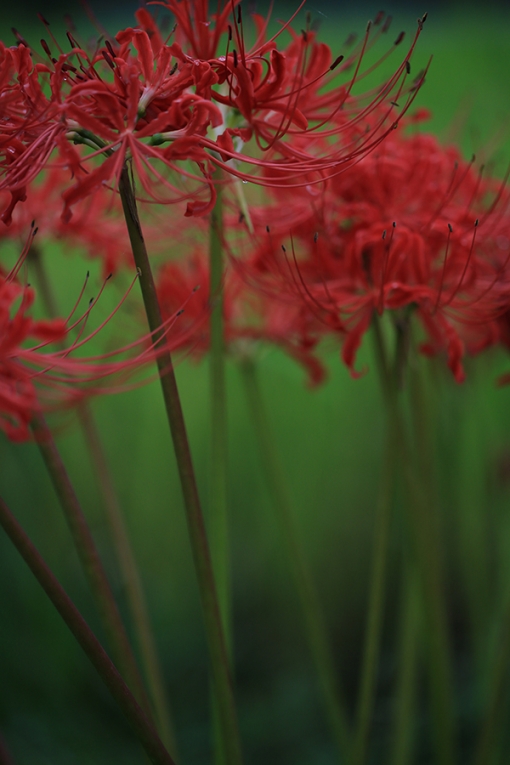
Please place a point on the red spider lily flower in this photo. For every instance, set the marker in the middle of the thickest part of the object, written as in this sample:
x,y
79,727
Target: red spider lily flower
x,y
97,226
53,372
250,318
177,111
412,227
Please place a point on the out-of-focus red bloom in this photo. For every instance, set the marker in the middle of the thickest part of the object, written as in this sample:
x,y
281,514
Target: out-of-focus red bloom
x,y
97,226
250,318
176,110
411,228
42,363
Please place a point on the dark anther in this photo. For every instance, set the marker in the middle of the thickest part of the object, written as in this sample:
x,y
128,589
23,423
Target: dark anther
x,y
181,311
476,222
378,18
108,59
267,229
35,230
384,234
19,37
234,53
110,48
229,33
394,224
450,229
43,20
408,67
399,38
284,248
195,289
387,23
316,237
239,19
305,35
174,69
46,47
335,63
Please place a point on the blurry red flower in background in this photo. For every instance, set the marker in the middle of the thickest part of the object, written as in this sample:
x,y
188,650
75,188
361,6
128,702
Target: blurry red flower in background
x,y
411,227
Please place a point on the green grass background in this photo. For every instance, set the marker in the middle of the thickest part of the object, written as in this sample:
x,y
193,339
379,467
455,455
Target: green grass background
x,y
54,710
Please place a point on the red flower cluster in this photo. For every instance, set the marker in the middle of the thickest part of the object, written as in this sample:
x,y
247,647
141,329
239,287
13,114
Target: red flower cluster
x,y
53,372
97,226
412,227
250,317
177,110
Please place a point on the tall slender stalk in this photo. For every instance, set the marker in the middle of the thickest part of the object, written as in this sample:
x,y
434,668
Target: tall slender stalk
x,y
313,616
218,521
425,547
196,527
131,577
122,545
137,718
375,611
495,715
89,559
405,694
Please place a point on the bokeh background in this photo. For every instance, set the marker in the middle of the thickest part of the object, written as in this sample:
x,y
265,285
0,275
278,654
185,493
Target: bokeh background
x,y
53,708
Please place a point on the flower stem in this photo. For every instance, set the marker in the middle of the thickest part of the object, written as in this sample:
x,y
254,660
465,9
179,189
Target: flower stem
x,y
131,577
218,525
194,516
375,613
123,549
496,697
89,559
313,617
405,696
139,722
425,546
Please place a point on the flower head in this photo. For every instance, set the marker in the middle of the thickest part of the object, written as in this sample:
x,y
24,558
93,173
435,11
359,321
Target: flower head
x,y
411,228
175,109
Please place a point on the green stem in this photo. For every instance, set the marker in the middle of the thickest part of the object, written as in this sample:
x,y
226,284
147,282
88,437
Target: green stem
x,y
139,722
495,718
132,581
124,552
195,520
313,617
89,559
405,695
375,613
425,546
218,525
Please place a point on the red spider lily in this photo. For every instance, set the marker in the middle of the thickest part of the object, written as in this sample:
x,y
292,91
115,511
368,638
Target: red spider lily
x,y
411,227
250,318
53,372
176,111
97,225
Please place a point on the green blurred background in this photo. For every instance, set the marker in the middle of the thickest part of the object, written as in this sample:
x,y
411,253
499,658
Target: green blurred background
x,y
53,708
